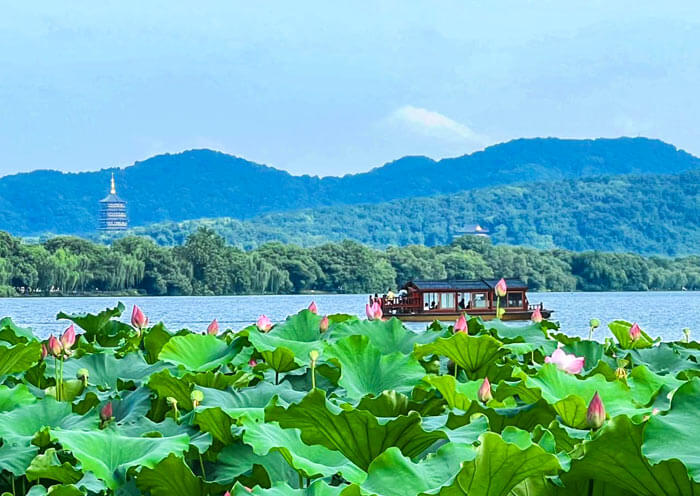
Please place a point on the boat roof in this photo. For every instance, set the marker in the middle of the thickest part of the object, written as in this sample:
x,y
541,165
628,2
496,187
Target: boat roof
x,y
465,284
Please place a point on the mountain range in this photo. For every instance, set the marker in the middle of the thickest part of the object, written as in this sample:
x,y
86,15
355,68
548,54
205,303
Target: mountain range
x,y
207,184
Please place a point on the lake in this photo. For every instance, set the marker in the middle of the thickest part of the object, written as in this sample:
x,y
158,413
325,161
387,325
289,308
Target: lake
x,y
662,314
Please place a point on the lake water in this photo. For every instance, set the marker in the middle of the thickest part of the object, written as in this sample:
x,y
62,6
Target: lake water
x,y
662,314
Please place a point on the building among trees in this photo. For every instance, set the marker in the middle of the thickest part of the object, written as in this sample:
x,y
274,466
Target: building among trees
x,y
113,211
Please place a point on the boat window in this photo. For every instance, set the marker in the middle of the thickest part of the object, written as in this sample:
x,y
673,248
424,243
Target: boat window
x,y
464,301
430,300
447,300
515,300
479,300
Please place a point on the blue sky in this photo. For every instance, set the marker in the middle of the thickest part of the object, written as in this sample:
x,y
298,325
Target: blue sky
x,y
329,88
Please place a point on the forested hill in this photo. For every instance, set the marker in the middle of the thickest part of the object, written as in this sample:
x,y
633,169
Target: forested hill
x,y
204,183
651,214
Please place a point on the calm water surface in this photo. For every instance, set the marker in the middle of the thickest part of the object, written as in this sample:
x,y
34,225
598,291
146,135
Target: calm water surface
x,y
662,314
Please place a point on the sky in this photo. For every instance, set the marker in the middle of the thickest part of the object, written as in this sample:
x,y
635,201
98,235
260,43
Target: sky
x,y
329,88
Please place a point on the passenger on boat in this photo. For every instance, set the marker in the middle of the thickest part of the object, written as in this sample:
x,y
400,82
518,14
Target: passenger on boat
x,y
390,295
460,303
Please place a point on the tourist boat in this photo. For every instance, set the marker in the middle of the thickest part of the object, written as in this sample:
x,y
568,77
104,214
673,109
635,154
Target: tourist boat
x,y
425,301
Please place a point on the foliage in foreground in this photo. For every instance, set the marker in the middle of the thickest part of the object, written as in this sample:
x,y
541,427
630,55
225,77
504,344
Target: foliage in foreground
x,y
342,406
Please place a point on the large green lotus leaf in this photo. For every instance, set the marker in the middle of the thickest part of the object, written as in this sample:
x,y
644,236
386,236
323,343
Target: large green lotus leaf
x,y
470,353
318,488
303,327
155,338
392,474
644,384
13,334
527,333
238,459
217,380
393,404
365,370
525,417
457,394
662,359
105,369
19,358
18,396
165,385
48,466
592,352
671,435
621,331
197,352
22,424
281,359
101,327
171,477
570,396
310,461
613,456
109,454
248,401
357,434
501,463
388,336
16,457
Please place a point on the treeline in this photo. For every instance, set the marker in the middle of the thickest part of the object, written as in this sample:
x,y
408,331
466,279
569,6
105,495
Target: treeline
x,y
206,265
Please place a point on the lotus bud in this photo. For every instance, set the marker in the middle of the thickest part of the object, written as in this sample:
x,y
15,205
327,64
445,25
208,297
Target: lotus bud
x,y
171,401
461,324
264,324
369,312
594,323
635,332
44,351
197,397
501,288
54,346
106,412
686,335
313,308
68,338
595,416
138,318
323,326
536,316
377,311
213,328
485,391
252,363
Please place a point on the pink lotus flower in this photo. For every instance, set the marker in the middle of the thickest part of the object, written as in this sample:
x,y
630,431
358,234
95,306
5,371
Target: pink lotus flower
x,y
138,318
252,363
567,362
106,412
461,324
68,338
264,324
313,308
536,316
323,326
501,288
485,391
54,346
213,328
374,312
595,416
635,332
44,351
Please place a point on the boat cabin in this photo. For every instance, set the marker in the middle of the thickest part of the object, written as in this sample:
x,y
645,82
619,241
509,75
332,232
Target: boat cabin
x,y
430,300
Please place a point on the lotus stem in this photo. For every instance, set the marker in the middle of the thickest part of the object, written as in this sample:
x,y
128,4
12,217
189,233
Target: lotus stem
x,y
201,466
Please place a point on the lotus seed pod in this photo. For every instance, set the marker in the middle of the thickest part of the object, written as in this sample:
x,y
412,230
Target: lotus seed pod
x,y
594,323
83,374
314,354
197,396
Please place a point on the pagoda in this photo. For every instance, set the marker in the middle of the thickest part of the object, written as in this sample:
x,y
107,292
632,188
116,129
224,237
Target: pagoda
x,y
113,211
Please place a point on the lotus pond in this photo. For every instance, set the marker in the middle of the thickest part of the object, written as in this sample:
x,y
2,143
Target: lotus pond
x,y
337,405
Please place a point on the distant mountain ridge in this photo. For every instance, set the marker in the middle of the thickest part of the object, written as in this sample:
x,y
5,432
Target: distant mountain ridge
x,y
203,183
654,214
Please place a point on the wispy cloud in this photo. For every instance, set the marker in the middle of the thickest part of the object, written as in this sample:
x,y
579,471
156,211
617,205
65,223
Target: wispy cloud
x,y
431,123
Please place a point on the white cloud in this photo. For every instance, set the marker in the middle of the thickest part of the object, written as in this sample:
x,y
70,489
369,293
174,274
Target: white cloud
x,y
435,124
